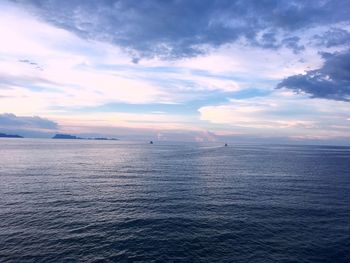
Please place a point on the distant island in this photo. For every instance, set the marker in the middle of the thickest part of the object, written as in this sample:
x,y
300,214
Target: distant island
x,y
4,135
73,137
66,136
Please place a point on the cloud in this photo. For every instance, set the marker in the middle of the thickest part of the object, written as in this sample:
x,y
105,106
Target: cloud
x,y
79,73
71,75
333,37
281,114
181,28
11,121
150,65
331,81
293,43
32,63
9,81
124,126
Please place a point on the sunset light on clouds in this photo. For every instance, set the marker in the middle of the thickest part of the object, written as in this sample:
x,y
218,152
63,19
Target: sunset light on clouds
x,y
177,70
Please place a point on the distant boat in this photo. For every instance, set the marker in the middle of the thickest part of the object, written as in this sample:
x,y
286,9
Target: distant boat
x,y
151,142
226,144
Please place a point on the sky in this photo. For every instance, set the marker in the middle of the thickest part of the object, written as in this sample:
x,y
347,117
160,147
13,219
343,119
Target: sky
x,y
186,70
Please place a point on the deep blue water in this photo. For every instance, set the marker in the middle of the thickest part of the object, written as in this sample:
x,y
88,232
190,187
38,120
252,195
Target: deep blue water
x,y
96,201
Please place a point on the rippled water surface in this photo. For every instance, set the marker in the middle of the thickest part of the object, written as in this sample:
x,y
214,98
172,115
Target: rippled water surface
x,y
111,201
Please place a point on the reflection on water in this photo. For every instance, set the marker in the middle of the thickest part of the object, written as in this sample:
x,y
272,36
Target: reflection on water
x,y
114,201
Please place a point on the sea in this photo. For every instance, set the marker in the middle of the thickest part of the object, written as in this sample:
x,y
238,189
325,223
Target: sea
x,y
116,201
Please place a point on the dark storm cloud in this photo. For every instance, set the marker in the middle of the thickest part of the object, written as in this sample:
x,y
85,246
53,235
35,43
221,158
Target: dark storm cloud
x,y
9,120
331,81
175,28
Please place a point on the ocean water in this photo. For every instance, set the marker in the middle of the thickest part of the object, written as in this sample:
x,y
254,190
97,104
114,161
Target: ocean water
x,y
113,201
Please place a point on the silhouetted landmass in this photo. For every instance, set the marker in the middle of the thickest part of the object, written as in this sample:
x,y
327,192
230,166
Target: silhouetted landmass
x,y
104,139
66,136
4,135
73,137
